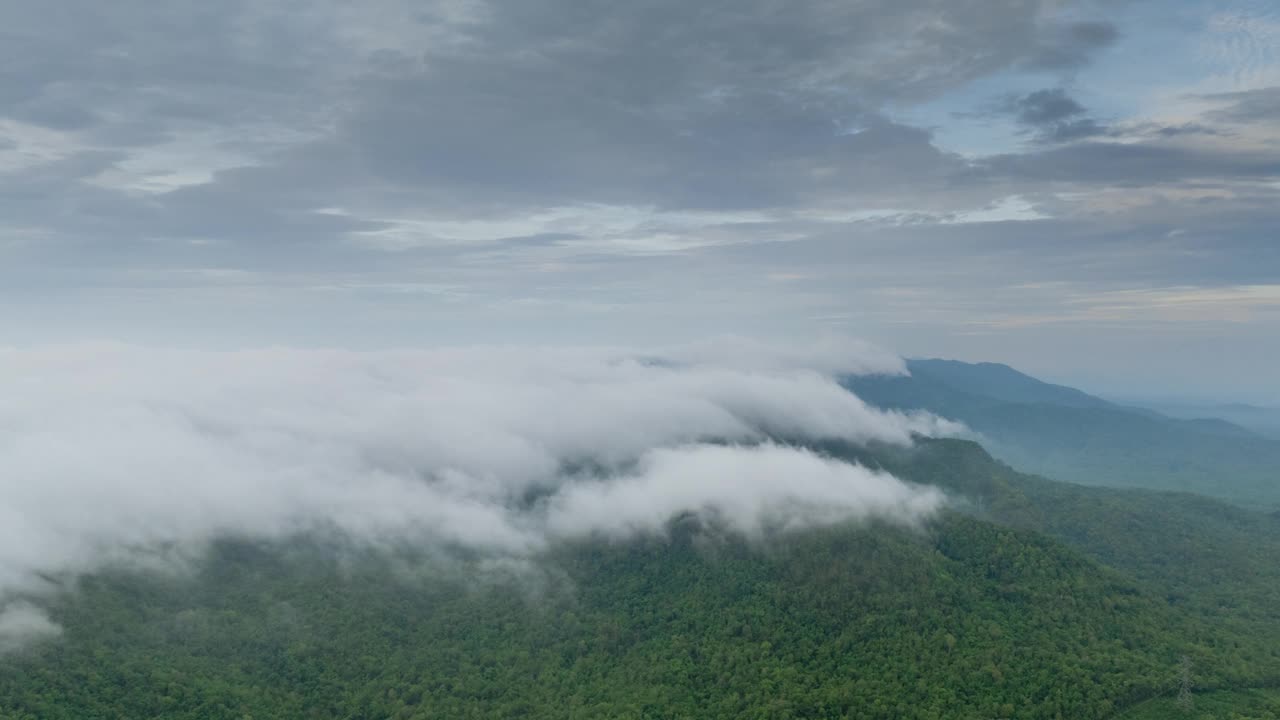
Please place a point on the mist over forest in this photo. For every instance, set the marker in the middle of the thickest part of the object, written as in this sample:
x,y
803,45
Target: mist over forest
x,y
646,360
491,451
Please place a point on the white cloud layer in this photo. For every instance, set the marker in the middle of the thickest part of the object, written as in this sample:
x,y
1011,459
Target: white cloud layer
x,y
748,488
109,452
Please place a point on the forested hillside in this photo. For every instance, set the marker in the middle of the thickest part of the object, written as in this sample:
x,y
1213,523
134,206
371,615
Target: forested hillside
x,y
1197,551
1066,434
1032,599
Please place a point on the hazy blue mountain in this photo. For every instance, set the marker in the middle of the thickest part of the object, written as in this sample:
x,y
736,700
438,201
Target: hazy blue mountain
x,y
1070,435
1259,419
1001,382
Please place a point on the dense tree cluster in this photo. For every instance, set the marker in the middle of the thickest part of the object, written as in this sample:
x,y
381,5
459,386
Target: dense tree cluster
x,y
1033,600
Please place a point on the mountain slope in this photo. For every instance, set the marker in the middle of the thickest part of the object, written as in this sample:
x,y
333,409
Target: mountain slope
x,y
1032,599
1069,435
969,620
1001,382
1188,548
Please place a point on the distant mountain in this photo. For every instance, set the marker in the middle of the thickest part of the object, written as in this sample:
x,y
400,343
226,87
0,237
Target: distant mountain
x,y
1259,419
1070,435
1001,382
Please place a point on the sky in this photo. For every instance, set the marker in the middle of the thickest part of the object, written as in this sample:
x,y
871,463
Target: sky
x,y
1086,190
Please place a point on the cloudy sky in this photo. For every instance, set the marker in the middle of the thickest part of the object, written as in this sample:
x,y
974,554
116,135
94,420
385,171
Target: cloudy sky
x,y
1086,190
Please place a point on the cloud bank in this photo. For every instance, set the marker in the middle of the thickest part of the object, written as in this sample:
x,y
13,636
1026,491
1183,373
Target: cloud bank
x,y
749,488
109,453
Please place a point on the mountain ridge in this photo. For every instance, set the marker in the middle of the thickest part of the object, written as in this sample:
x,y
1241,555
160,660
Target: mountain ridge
x,y
1066,434
1029,599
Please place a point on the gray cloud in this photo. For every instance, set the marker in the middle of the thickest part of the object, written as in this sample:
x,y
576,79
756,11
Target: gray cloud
x,y
1249,106
547,102
1190,128
1071,45
402,172
1053,115
1045,107
1143,163
63,114
477,109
